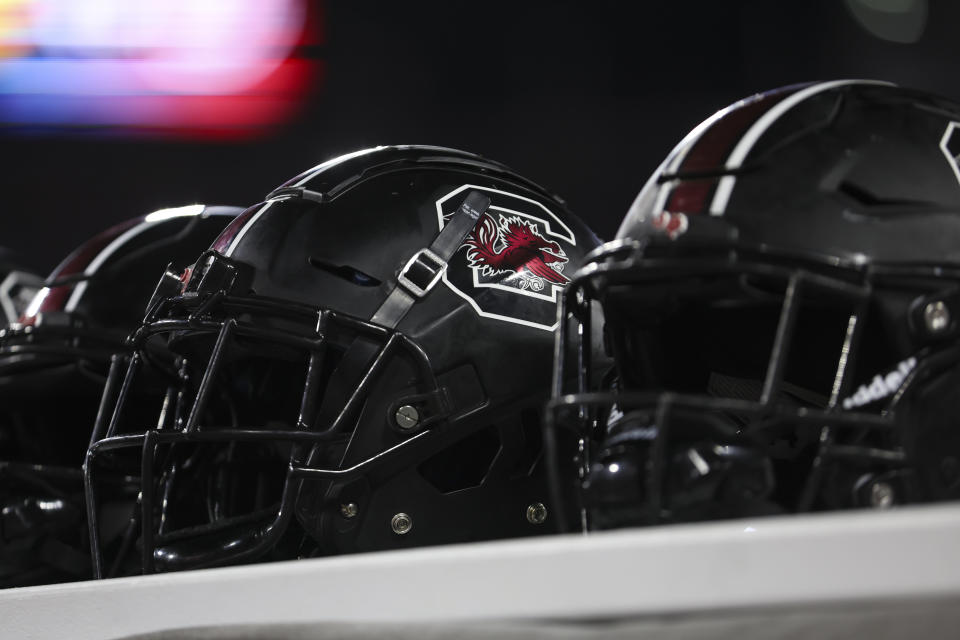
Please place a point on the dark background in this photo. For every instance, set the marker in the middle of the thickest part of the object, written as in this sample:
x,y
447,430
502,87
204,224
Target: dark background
x,y
583,97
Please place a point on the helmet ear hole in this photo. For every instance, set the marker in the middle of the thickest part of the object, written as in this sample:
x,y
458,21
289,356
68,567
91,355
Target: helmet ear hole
x,y
345,272
463,465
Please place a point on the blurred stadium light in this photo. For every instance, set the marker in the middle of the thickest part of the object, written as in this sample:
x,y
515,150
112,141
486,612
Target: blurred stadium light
x,y
191,67
902,21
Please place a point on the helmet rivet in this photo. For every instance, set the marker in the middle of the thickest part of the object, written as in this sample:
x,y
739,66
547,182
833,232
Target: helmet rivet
x,y
536,513
401,524
407,417
881,495
936,316
349,510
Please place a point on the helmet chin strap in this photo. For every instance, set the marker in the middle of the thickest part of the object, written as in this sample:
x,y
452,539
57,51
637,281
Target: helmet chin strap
x,y
415,280
426,266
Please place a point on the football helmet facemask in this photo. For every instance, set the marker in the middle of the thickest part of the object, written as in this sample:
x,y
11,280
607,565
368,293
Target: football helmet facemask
x,y
53,364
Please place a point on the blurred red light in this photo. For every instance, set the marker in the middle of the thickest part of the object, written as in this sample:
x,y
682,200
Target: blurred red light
x,y
223,68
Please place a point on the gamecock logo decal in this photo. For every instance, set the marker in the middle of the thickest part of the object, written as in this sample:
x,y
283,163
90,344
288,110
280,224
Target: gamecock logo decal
x,y
511,267
522,251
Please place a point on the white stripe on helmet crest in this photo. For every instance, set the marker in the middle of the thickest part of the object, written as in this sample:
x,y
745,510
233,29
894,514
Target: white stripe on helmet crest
x,y
670,166
721,196
312,173
148,221
246,227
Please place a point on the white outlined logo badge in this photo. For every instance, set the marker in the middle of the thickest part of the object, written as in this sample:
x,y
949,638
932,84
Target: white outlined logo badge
x,y
511,266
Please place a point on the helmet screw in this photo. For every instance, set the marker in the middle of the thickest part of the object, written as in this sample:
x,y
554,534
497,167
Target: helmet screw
x,y
407,417
881,495
936,316
536,513
349,510
401,524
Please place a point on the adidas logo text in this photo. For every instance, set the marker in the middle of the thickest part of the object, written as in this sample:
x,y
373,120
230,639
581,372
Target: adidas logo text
x,y
881,386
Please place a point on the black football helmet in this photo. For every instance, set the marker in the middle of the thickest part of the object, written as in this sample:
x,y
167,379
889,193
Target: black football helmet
x,y
54,361
781,304
358,363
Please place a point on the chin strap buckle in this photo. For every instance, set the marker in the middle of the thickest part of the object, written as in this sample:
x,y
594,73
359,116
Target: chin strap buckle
x,y
422,272
426,266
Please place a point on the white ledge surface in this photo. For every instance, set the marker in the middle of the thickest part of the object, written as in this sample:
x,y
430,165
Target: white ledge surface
x,y
786,561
